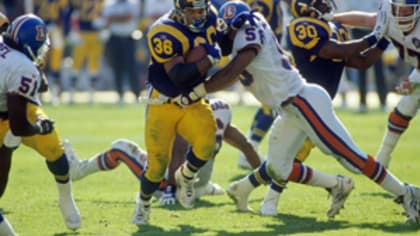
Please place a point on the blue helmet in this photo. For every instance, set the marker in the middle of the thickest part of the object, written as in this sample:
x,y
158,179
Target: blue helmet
x,y
234,14
405,13
30,35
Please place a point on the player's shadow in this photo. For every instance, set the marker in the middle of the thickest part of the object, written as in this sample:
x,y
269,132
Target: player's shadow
x,y
183,230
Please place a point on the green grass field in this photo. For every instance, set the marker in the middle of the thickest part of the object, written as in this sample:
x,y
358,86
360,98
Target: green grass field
x,y
106,199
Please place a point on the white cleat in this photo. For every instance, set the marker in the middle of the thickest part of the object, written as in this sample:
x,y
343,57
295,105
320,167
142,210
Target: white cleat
x,y
269,206
339,195
75,163
141,213
70,213
185,192
410,201
239,193
209,189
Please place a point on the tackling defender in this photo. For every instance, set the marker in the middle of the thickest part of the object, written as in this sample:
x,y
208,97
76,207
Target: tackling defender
x,y
305,108
403,30
318,46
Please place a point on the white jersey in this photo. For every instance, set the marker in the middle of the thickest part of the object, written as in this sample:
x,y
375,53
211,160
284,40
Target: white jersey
x,y
18,75
269,77
223,115
408,45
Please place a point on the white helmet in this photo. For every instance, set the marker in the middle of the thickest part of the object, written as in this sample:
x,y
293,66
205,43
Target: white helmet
x,y
405,13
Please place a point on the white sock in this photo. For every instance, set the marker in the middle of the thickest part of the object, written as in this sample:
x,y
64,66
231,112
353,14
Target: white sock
x,y
64,190
323,180
272,195
393,185
6,228
388,144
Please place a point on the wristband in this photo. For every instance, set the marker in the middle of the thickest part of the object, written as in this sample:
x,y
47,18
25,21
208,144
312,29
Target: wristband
x,y
371,40
382,44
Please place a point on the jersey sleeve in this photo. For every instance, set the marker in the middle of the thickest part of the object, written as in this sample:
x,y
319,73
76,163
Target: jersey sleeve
x,y
309,33
247,36
25,83
166,42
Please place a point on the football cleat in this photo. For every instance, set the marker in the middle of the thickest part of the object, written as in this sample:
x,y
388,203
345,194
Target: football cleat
x,y
269,205
239,192
209,189
339,194
185,192
410,201
141,213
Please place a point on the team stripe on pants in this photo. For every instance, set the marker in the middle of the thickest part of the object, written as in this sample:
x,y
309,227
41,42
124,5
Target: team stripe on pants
x,y
111,159
326,135
398,123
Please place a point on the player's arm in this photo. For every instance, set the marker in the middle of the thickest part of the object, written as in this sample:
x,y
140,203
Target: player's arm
x,y
237,139
230,73
366,59
356,18
19,124
184,74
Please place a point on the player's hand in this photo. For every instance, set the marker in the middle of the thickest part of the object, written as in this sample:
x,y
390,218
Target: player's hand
x,y
45,125
405,87
168,196
197,92
213,52
11,141
381,26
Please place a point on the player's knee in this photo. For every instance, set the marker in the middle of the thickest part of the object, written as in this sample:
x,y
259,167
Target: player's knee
x,y
59,167
205,149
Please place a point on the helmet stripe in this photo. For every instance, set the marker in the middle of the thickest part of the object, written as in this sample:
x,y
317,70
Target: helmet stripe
x,y
17,27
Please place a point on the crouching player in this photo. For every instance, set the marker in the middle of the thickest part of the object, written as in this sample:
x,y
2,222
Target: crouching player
x,y
23,49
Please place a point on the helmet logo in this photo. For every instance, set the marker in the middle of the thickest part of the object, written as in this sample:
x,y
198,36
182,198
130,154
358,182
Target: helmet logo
x,y
230,12
40,33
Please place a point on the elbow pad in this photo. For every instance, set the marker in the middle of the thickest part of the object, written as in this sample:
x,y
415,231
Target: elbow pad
x,y
185,75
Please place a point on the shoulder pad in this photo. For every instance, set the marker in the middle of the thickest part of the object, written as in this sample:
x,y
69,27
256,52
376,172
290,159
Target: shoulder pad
x,y
165,42
307,32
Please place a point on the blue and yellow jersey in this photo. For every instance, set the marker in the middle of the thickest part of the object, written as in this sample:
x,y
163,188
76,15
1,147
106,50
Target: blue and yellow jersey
x,y
51,11
271,9
88,11
306,36
167,39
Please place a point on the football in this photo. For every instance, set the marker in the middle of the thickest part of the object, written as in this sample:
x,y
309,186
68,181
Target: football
x,y
195,54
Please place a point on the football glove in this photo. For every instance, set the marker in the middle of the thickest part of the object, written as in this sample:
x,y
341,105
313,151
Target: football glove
x,y
197,92
213,52
11,141
381,26
45,125
406,87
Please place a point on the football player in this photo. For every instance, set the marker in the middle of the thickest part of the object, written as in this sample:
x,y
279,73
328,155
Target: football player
x,y
403,30
306,111
136,159
188,25
52,12
89,46
23,48
318,48
263,117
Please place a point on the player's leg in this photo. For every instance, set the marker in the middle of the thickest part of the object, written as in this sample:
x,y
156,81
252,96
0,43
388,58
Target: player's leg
x,y
9,143
95,46
49,146
79,55
323,127
159,135
6,228
261,123
198,119
204,186
398,121
122,150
